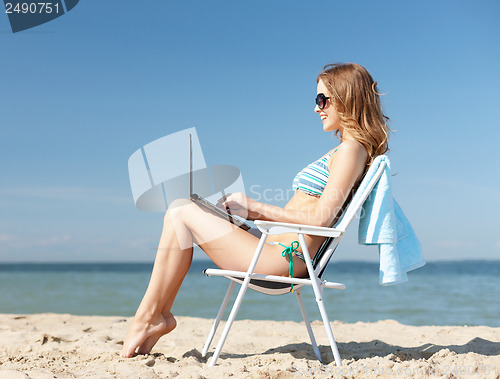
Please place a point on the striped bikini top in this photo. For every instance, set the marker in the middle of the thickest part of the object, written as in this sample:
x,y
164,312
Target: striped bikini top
x,y
312,179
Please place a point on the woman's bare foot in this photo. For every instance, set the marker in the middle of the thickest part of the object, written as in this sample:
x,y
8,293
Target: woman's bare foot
x,y
148,344
146,331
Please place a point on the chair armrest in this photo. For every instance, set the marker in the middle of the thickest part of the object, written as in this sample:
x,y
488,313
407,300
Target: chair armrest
x,y
272,227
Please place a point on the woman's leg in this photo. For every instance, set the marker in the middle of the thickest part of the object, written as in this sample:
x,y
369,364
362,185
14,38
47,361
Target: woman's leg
x,y
228,246
153,318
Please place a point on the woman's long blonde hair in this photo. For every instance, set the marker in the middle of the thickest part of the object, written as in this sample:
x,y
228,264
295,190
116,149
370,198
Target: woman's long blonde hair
x,y
356,99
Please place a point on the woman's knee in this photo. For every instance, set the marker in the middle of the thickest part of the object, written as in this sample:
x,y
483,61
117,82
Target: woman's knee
x,y
177,208
175,221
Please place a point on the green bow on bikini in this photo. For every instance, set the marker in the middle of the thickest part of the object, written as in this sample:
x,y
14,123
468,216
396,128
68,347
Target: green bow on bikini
x,y
289,250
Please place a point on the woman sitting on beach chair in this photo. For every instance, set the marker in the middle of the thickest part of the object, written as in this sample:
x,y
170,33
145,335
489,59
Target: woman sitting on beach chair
x,y
348,104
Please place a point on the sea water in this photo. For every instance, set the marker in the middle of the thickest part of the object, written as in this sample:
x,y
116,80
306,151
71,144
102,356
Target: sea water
x,y
440,293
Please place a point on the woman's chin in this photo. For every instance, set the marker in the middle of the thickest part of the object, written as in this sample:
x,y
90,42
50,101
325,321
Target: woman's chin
x,y
330,128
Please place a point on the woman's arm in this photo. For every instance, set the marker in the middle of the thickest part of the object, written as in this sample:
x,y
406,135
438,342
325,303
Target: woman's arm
x,y
346,166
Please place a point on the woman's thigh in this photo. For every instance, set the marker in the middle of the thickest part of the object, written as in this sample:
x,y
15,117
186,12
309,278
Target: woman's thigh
x,y
232,248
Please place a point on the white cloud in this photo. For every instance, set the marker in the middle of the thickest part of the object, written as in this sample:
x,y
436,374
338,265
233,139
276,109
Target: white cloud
x,y
18,242
454,244
66,247
6,237
93,194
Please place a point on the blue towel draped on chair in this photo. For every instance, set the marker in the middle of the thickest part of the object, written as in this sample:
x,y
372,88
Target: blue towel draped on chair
x,y
383,223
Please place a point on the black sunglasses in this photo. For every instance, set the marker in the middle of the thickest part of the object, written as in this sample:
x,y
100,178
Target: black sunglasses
x,y
321,100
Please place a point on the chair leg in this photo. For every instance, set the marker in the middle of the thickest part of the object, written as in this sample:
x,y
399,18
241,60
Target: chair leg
x,y
329,332
217,319
308,325
318,293
229,322
238,300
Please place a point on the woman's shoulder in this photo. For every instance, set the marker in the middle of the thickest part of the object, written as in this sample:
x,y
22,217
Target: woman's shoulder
x,y
351,150
351,147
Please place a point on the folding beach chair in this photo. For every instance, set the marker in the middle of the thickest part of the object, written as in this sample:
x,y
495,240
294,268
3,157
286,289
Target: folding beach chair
x,y
278,285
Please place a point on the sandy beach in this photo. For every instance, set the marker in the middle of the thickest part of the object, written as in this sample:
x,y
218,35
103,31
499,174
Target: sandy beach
x,y
67,346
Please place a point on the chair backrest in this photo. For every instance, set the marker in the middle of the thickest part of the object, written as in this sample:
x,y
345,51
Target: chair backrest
x,y
324,254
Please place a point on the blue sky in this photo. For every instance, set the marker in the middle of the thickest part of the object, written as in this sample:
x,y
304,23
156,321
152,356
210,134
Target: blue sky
x,y
80,94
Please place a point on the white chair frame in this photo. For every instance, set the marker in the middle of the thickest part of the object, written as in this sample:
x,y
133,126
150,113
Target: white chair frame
x,y
272,228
